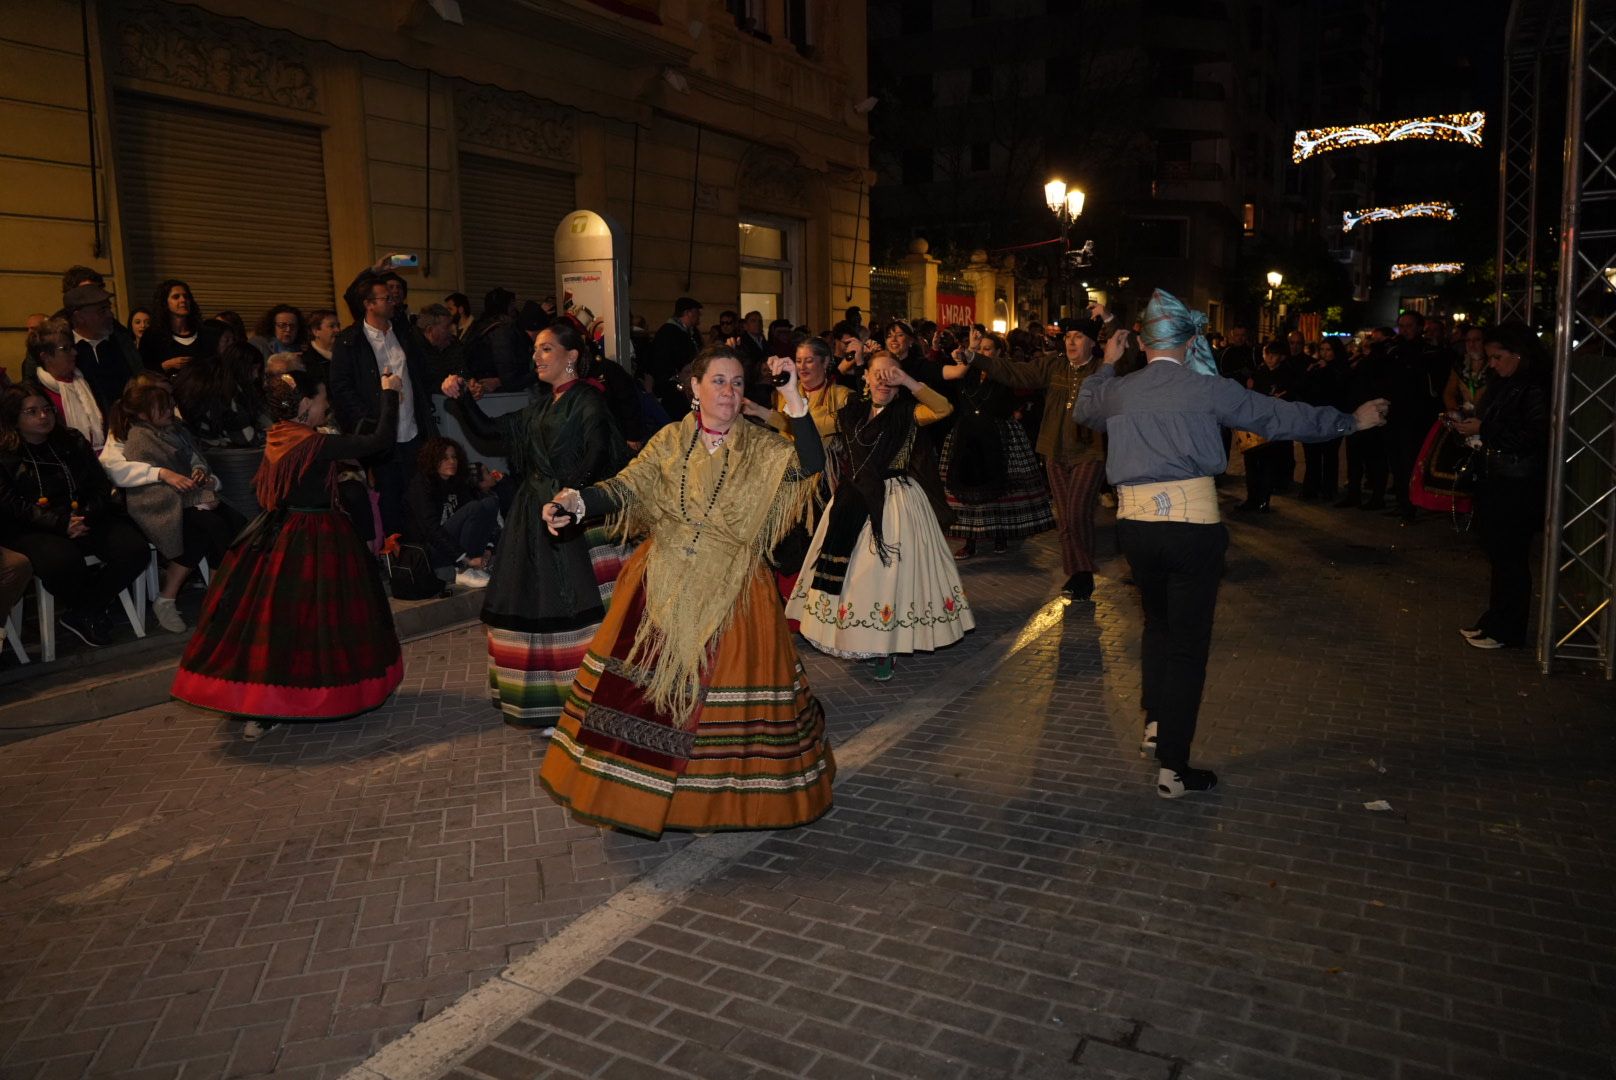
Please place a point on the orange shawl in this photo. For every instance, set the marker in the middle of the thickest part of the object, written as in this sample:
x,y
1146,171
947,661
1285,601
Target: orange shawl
x,y
289,450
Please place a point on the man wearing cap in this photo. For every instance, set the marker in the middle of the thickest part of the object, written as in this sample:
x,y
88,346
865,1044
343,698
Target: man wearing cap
x,y
1074,456
676,343
1164,451
106,359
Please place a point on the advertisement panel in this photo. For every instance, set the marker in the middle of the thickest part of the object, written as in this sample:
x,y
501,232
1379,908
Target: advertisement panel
x,y
955,308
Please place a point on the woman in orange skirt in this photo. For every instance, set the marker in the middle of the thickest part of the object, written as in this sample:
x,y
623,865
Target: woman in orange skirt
x,y
691,710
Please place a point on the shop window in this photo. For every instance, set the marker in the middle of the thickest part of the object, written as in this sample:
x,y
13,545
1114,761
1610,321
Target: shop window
x,y
768,271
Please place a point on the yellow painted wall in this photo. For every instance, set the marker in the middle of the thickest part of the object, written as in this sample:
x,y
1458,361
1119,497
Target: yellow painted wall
x,y
372,111
45,214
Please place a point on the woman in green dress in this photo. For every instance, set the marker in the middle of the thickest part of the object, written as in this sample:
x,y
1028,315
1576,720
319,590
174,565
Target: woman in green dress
x,y
547,593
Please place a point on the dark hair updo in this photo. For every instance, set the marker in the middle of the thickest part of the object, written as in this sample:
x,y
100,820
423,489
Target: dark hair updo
x,y
568,337
705,358
285,393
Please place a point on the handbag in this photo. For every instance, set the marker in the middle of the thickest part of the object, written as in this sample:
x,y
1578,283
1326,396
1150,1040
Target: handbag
x,y
409,573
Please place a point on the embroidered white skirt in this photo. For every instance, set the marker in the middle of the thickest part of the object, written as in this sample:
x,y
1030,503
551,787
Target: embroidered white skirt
x,y
913,603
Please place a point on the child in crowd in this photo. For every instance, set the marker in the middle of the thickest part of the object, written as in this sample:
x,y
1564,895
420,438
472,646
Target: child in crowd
x,y
177,506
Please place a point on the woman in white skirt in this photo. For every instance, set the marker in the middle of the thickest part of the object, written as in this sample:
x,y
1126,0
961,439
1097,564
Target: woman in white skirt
x,y
879,578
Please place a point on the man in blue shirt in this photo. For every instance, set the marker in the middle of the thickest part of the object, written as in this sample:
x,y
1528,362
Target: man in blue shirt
x,y
1164,449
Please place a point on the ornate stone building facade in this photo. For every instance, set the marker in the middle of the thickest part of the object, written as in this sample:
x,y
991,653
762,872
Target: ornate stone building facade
x,y
265,150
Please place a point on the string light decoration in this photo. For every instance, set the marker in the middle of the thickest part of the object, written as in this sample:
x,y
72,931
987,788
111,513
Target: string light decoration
x,y
1403,270
1442,211
1464,127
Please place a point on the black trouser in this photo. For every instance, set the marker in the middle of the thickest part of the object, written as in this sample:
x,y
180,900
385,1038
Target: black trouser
x,y
1366,463
59,562
472,527
1321,467
1177,567
207,533
1266,465
1403,442
392,480
1507,514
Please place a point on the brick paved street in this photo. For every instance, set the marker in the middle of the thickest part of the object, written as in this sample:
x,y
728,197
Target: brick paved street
x,y
179,903
996,893
1000,894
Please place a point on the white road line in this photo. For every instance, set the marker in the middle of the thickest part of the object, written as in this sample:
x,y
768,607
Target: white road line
x,y
435,1046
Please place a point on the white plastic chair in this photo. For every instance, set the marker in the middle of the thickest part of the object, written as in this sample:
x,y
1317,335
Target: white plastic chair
x,y
132,598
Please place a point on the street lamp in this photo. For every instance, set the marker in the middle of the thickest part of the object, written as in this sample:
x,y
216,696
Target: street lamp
x,y
1067,205
1275,280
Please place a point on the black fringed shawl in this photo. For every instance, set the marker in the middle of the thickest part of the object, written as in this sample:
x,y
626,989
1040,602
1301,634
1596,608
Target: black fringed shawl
x,y
871,446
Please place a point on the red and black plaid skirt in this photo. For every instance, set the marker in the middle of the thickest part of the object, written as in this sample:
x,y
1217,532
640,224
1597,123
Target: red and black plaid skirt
x,y
295,626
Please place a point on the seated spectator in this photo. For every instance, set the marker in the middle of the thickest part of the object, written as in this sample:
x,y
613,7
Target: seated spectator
x,y
220,398
280,330
459,307
179,511
281,363
323,327
107,358
499,353
140,321
53,363
177,335
452,513
230,327
56,507
443,352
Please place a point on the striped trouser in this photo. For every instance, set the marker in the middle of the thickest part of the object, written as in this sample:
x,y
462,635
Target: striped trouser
x,y
1073,489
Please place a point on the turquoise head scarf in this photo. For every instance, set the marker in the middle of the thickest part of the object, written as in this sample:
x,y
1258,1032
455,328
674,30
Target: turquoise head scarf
x,y
1169,324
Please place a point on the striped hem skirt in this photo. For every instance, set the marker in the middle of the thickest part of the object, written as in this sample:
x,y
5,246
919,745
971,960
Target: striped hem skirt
x,y
754,755
529,674
1022,510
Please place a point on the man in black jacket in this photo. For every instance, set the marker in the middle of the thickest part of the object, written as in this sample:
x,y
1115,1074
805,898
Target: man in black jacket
x,y
1415,384
359,356
676,343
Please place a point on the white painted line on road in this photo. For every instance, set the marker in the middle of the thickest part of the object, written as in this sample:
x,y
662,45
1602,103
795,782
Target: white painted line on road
x,y
435,1046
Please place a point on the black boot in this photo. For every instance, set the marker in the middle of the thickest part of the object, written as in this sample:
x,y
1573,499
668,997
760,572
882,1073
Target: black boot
x,y
1080,586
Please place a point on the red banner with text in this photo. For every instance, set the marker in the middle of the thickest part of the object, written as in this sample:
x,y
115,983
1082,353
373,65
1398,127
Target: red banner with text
x,y
954,309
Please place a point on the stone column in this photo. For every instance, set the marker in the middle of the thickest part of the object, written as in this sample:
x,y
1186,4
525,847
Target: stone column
x,y
922,271
984,281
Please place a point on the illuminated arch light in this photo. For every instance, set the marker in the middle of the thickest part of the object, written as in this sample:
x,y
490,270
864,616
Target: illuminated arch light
x,y
1403,270
1442,211
1465,127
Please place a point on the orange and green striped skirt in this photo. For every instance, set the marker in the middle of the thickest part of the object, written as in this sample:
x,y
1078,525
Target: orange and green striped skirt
x,y
754,755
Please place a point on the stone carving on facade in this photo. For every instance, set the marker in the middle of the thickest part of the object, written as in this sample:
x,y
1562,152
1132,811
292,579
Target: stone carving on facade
x,y
707,197
771,178
500,120
186,47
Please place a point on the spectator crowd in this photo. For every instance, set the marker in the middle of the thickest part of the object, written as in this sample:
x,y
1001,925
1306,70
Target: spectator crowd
x,y
125,442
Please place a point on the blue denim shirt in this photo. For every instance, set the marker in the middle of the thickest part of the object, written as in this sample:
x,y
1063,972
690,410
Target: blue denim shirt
x,y
1163,421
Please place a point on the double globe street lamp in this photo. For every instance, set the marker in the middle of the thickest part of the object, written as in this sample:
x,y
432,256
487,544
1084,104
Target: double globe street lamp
x,y
1067,205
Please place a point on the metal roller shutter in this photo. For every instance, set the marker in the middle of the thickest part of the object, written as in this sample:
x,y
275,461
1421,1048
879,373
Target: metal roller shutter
x,y
233,204
508,218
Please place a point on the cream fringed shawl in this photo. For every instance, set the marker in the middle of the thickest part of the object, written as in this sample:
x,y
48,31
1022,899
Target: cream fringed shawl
x,y
689,599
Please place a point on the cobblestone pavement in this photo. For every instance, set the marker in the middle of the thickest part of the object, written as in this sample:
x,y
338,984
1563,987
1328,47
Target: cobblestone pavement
x,y
178,903
1001,895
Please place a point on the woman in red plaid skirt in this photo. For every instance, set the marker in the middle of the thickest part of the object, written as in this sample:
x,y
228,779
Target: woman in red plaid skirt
x,y
296,625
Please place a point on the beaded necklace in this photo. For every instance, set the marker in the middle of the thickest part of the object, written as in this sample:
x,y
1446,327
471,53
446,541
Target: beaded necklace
x,y
684,485
39,480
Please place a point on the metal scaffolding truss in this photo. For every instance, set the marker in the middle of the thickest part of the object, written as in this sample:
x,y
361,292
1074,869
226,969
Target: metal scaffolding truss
x,y
1517,184
1577,620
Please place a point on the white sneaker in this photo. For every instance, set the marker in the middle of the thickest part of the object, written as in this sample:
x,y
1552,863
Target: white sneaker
x,y
471,578
1482,641
1147,744
167,615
